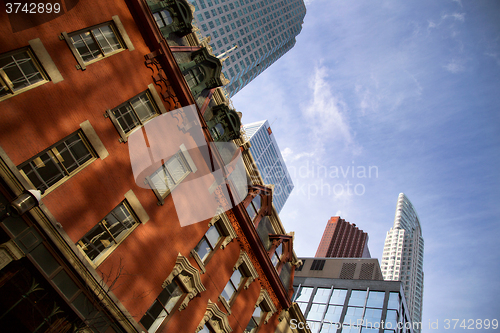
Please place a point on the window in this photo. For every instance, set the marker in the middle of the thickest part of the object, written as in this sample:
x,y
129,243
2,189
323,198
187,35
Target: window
x,y
218,131
317,265
194,76
254,206
135,112
220,233
232,285
162,307
102,239
94,43
163,18
302,297
277,255
58,162
208,243
257,317
170,174
243,275
19,71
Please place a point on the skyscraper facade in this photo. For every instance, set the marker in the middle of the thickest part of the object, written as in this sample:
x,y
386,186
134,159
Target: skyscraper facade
x,y
263,31
403,255
269,161
342,239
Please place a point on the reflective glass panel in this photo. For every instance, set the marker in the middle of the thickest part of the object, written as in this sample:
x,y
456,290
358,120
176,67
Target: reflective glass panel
x,y
314,326
338,296
203,249
321,295
391,319
333,313
369,330
353,314
328,328
349,329
372,316
316,311
357,297
213,235
304,294
375,299
393,301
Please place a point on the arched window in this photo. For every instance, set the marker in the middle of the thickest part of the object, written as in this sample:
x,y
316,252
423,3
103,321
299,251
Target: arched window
x,y
194,76
163,18
217,131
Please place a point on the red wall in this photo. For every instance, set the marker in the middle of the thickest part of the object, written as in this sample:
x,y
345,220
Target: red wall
x,y
40,117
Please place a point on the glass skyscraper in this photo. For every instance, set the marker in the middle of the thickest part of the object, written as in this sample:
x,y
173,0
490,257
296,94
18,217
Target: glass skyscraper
x,y
270,163
403,256
263,30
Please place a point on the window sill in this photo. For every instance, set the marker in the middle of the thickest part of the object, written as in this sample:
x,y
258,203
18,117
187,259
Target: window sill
x,y
22,90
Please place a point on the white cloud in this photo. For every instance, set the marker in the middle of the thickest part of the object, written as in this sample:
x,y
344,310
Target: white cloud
x,y
290,156
457,16
459,2
455,66
494,56
326,113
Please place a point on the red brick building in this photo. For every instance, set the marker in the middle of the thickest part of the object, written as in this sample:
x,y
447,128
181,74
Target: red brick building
x,y
106,251
342,239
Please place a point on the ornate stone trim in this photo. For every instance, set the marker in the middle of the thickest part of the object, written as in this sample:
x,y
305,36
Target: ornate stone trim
x,y
9,252
198,260
248,266
225,303
215,318
188,276
267,303
226,226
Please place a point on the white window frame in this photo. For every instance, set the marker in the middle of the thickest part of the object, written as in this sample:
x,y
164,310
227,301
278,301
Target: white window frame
x,y
6,82
122,236
187,163
225,228
156,104
119,31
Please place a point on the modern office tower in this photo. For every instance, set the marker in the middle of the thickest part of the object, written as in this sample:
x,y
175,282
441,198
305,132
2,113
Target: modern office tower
x,y
342,239
269,161
263,30
350,294
403,255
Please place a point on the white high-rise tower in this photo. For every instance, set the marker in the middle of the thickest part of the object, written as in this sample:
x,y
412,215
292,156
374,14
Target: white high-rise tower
x,y
403,257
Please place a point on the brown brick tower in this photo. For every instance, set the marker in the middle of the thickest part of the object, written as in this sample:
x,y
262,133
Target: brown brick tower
x,y
342,239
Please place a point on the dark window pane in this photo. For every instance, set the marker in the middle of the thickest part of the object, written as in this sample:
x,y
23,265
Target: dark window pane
x,y
44,259
143,108
86,47
65,284
126,118
106,38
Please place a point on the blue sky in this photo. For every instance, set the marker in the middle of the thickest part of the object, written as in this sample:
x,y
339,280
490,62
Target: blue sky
x,y
411,89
